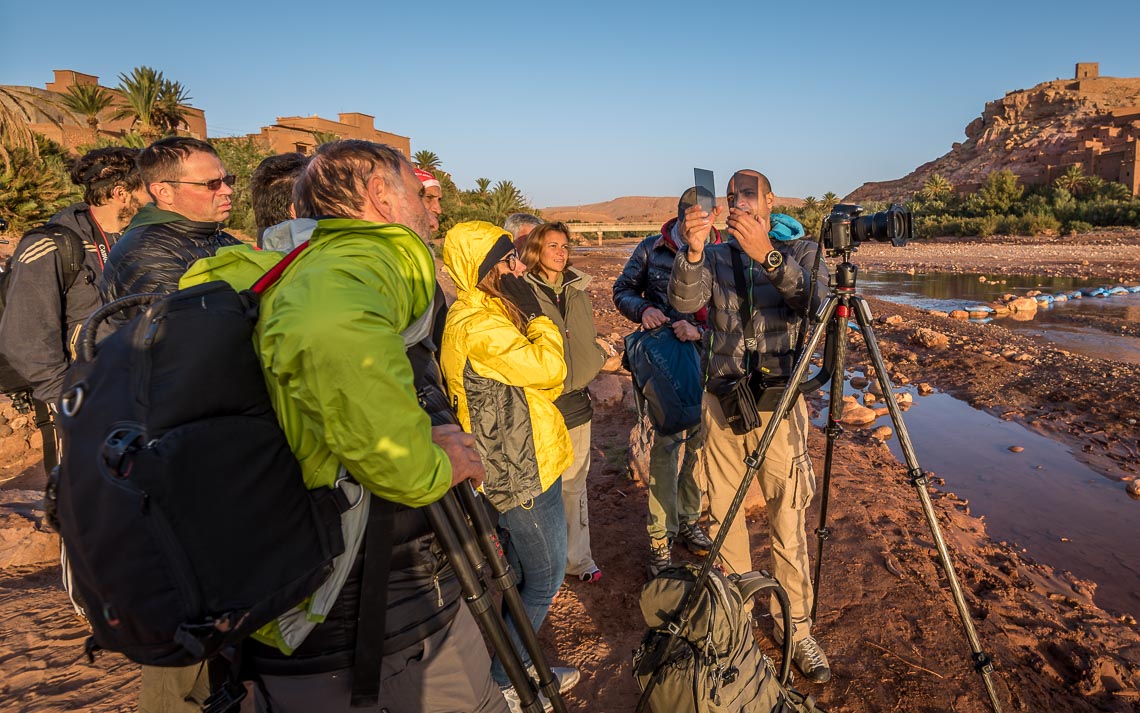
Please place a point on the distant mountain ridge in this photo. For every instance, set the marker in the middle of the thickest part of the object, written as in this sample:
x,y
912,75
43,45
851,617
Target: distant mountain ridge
x,y
1037,133
630,209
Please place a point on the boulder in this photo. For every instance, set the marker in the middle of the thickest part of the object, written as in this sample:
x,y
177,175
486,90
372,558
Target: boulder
x,y
903,398
612,364
960,314
859,382
869,399
606,391
1023,304
929,338
1134,488
892,319
882,433
925,389
24,536
855,415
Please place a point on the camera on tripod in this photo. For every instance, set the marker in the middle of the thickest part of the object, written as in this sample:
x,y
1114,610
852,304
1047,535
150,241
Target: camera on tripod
x,y
846,227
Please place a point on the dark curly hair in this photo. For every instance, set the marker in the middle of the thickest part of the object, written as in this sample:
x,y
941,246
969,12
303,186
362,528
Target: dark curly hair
x,y
99,171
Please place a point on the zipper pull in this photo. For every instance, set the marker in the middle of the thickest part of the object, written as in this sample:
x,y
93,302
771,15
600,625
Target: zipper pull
x,y
438,592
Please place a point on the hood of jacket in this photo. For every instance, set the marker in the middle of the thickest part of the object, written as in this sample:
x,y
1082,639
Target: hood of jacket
x,y
283,237
464,249
668,241
785,228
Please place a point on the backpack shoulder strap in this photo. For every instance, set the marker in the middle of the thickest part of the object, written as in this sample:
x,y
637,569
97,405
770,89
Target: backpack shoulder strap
x,y
268,279
70,247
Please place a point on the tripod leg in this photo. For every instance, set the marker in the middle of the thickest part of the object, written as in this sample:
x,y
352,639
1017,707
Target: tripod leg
x,y
834,414
982,662
504,579
481,604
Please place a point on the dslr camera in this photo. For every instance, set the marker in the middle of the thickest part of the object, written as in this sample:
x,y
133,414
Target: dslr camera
x,y
846,227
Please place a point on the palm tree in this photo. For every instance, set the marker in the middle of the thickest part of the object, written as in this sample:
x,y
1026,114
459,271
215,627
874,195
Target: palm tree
x,y
88,100
506,198
937,187
141,90
168,111
829,201
1073,180
426,160
20,108
482,184
811,203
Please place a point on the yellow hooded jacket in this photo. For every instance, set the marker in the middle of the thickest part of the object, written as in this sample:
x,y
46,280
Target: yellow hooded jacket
x,y
504,381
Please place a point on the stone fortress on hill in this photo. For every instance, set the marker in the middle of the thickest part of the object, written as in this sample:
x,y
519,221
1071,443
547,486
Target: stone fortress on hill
x,y
1088,121
288,133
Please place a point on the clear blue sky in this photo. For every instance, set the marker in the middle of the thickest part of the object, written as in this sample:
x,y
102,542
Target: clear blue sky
x,y
585,101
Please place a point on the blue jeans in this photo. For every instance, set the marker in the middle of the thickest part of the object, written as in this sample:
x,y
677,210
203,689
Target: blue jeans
x,y
536,549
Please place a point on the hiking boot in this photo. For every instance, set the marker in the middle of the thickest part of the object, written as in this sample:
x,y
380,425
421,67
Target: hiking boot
x,y
810,660
660,556
567,677
695,538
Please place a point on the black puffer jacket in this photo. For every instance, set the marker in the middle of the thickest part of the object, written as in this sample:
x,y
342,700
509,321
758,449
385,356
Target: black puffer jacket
x,y
153,256
43,315
777,300
644,282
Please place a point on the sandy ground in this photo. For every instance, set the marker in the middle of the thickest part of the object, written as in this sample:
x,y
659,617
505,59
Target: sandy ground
x,y
887,619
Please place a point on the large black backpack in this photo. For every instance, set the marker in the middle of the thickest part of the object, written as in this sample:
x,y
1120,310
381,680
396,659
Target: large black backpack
x,y
715,665
183,512
71,255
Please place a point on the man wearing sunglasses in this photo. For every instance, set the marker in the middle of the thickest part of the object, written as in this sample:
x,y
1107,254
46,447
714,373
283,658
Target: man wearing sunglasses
x,y
192,199
192,196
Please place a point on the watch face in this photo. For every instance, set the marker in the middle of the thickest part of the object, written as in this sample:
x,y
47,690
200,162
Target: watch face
x,y
775,259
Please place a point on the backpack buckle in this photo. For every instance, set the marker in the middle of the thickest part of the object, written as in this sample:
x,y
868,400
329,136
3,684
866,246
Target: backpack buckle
x,y
117,445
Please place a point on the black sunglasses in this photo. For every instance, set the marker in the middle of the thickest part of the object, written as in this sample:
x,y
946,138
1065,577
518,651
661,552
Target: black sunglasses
x,y
213,184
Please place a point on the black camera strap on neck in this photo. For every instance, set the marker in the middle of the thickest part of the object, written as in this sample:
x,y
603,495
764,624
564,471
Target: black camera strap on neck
x,y
743,291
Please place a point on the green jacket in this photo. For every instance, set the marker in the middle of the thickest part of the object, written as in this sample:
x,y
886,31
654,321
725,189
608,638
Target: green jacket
x,y
334,360
568,306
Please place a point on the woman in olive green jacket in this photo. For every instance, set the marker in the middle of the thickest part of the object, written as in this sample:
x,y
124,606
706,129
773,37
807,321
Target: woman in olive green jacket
x,y
561,292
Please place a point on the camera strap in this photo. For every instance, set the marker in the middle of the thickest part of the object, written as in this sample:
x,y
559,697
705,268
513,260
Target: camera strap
x,y
744,292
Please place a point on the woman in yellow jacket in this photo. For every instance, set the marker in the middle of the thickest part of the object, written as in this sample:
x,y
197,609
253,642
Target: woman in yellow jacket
x,y
504,366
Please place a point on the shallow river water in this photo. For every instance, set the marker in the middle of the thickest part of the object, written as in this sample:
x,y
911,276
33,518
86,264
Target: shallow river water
x,y
1059,323
1042,499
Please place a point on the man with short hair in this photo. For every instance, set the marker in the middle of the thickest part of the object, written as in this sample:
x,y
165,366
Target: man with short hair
x,y
43,315
192,200
271,192
641,295
520,226
332,336
191,192
761,274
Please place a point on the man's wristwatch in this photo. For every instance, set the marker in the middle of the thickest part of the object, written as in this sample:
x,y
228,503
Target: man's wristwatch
x,y
773,259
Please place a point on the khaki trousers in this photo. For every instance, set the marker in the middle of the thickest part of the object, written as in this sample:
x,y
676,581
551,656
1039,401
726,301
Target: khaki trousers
x,y
579,559
787,482
174,690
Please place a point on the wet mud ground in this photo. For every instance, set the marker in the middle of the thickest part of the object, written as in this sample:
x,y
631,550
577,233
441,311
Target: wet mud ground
x,y
887,620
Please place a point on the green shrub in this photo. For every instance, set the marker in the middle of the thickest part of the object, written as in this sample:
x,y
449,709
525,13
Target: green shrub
x,y
1075,227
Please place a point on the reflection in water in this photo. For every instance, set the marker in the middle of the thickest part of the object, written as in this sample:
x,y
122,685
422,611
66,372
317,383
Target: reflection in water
x,y
1033,498
1059,322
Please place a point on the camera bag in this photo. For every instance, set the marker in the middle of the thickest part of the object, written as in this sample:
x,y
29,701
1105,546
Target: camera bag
x,y
184,516
716,665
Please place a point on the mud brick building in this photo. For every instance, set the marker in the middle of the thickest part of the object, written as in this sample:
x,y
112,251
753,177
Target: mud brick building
x,y
305,133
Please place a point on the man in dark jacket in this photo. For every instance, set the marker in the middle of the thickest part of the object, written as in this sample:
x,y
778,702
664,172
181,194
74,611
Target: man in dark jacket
x,y
192,199
774,277
641,295
191,192
43,315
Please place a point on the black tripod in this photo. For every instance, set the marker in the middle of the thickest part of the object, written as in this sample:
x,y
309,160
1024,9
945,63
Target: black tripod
x,y
831,319
465,533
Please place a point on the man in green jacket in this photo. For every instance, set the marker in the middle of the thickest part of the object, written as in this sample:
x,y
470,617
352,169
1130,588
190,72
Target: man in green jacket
x,y
332,335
